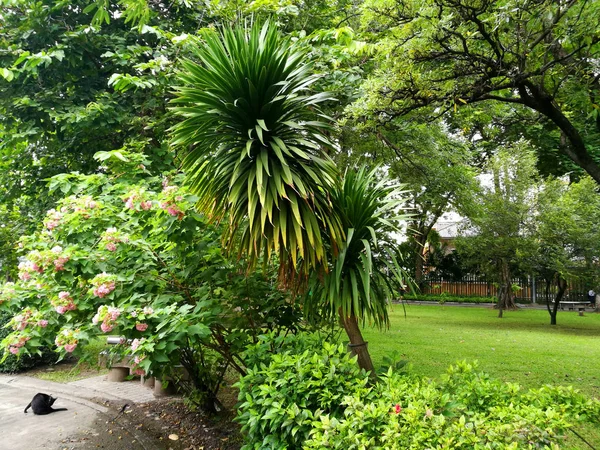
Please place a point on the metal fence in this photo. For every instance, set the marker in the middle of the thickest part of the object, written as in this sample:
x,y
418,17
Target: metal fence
x,y
525,288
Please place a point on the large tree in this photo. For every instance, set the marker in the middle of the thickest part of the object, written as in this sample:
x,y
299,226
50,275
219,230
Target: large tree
x,y
443,55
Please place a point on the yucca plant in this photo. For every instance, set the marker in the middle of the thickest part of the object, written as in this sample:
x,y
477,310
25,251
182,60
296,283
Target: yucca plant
x,y
254,137
366,273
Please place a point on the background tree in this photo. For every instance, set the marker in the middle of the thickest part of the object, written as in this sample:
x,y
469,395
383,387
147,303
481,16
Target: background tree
x,y
568,236
443,55
428,160
498,231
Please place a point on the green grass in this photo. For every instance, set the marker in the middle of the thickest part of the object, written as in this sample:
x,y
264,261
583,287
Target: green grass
x,y
522,347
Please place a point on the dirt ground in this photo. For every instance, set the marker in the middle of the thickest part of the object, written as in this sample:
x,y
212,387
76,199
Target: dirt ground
x,y
172,426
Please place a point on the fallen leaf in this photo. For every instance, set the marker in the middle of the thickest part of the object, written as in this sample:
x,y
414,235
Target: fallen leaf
x,y
173,437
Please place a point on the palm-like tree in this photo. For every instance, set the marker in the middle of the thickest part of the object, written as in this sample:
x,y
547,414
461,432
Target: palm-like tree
x,y
366,273
255,139
254,136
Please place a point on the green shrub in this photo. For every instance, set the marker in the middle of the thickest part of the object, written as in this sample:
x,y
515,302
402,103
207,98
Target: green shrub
x,y
466,410
14,363
291,379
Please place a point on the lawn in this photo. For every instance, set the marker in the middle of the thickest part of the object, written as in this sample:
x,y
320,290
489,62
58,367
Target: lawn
x,y
522,347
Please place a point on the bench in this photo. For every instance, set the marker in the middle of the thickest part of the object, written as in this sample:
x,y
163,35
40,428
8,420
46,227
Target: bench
x,y
572,306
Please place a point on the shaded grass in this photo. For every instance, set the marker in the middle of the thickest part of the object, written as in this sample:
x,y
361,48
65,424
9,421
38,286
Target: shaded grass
x,y
67,371
522,347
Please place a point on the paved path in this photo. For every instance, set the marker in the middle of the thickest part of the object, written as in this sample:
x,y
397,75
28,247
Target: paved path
x,y
86,424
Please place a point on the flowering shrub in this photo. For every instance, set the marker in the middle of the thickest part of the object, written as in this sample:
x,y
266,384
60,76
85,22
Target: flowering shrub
x,y
108,261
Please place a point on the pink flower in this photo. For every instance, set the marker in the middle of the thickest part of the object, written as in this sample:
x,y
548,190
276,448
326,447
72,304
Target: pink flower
x,y
111,246
147,205
141,326
173,210
148,310
129,203
61,309
140,372
37,268
114,313
52,224
64,295
135,344
71,306
43,323
14,350
59,263
25,276
106,327
95,319
70,347
137,359
397,408
428,414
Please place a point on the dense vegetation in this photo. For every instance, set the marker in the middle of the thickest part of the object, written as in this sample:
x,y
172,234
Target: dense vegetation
x,y
210,181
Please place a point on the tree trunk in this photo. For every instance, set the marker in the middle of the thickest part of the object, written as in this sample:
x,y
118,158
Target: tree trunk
x,y
506,299
419,259
562,287
358,346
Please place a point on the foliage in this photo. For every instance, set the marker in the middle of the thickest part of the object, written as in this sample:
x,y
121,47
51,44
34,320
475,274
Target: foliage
x,y
366,274
124,253
255,142
284,391
296,389
567,234
438,57
466,410
15,364
499,226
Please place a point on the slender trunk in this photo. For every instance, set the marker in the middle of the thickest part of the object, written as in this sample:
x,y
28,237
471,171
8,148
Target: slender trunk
x,y
358,346
506,299
562,287
419,259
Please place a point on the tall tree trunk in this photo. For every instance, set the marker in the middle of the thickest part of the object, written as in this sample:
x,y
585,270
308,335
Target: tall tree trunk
x,y
562,287
420,241
506,299
358,346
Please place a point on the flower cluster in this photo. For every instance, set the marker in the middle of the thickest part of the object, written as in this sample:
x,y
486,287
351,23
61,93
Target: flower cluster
x,y
27,268
104,284
7,292
27,317
53,218
83,205
140,315
67,339
61,259
111,237
16,343
107,317
172,201
137,359
63,303
135,199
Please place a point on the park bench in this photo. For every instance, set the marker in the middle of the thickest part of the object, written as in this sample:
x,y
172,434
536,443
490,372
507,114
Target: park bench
x,y
572,306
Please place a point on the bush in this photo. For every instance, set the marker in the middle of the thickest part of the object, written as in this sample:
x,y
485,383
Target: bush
x,y
306,393
466,410
13,363
292,380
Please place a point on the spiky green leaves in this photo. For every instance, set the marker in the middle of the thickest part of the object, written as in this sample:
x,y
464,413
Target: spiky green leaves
x,y
366,274
254,137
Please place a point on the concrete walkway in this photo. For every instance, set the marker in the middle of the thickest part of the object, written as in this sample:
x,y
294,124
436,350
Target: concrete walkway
x,y
86,425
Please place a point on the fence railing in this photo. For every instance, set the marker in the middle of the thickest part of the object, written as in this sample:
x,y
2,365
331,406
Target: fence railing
x,y
525,289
